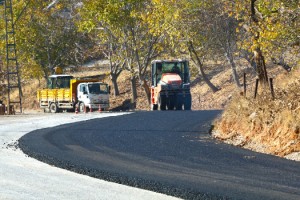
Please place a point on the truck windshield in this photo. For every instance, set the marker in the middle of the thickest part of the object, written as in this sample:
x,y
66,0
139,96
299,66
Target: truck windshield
x,y
180,68
173,67
59,82
98,88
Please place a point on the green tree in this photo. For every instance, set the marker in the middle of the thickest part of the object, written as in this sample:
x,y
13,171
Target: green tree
x,y
184,25
123,24
48,37
96,23
271,26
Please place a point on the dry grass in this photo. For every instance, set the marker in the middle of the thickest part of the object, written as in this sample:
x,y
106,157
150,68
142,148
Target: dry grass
x,y
263,124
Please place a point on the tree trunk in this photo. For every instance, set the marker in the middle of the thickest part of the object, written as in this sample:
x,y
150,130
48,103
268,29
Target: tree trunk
x,y
133,89
258,57
141,69
233,69
200,65
113,78
45,70
147,90
248,56
261,67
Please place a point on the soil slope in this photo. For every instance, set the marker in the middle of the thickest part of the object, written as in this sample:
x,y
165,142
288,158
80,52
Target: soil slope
x,y
265,124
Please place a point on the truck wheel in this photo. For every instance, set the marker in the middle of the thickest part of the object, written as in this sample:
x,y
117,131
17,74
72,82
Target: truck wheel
x,y
53,108
70,110
179,102
187,102
171,103
162,102
154,106
81,107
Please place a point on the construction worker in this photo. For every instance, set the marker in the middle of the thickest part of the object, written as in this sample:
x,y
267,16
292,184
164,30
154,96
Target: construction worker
x,y
175,69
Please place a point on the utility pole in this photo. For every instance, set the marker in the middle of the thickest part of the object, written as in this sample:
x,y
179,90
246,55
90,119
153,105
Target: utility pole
x,y
2,77
13,82
2,82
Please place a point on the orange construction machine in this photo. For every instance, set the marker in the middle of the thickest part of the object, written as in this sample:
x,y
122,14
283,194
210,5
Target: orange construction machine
x,y
170,85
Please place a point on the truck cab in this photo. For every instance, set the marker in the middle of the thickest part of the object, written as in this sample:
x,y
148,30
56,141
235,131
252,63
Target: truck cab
x,y
93,95
170,85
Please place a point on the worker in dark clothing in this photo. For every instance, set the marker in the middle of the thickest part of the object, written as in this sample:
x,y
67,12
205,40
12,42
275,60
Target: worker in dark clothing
x,y
176,69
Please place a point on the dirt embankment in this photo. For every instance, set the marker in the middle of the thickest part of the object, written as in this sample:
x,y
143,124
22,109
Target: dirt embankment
x,y
265,124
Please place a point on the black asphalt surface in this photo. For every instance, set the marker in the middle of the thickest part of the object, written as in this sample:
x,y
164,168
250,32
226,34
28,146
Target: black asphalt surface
x,y
167,152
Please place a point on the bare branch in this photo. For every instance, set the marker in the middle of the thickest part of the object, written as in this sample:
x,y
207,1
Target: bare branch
x,y
51,4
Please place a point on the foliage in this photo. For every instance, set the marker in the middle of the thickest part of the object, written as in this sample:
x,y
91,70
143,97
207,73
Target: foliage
x,y
277,23
123,27
137,31
47,38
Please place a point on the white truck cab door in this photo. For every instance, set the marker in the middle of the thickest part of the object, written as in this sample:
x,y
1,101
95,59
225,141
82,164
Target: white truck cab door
x,y
82,92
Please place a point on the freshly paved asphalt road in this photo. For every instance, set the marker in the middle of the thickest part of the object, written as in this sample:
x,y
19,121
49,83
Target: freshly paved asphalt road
x,y
167,152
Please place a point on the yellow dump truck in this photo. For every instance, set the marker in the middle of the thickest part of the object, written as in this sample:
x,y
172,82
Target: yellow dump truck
x,y
64,92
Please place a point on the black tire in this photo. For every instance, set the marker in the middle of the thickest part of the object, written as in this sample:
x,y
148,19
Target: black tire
x,y
81,107
162,102
179,102
171,102
70,110
154,106
53,108
187,102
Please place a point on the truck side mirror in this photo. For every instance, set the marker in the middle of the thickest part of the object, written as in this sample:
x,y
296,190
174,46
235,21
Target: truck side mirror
x,y
109,89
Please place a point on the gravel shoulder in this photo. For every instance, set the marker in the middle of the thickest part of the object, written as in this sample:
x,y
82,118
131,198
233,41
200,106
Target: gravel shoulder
x,y
22,177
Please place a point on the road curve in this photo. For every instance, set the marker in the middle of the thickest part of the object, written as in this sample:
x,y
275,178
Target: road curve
x,y
166,152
